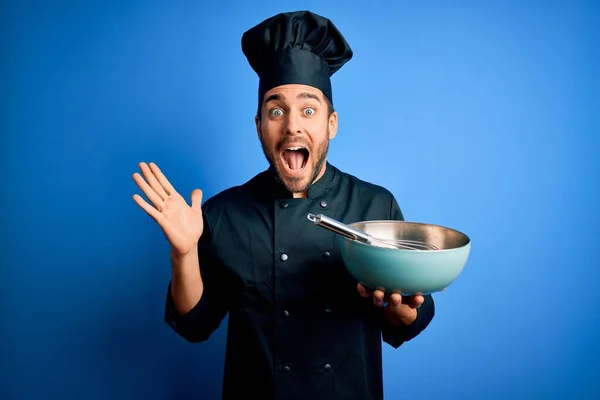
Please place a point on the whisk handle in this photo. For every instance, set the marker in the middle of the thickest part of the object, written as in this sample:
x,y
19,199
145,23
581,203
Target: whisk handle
x,y
339,227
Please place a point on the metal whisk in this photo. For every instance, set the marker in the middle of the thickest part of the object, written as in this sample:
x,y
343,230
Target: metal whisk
x,y
354,234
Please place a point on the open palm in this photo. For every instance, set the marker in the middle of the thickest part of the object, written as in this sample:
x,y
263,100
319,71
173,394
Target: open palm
x,y
180,222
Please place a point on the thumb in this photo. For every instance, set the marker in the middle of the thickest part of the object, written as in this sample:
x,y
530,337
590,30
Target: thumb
x,y
197,199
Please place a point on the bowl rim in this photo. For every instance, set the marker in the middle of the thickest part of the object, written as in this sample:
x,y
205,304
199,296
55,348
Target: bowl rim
x,y
395,221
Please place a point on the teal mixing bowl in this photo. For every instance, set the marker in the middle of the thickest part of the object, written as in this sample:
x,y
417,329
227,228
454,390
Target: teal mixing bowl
x,y
406,271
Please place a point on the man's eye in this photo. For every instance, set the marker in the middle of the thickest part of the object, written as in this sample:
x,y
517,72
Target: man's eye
x,y
310,111
277,112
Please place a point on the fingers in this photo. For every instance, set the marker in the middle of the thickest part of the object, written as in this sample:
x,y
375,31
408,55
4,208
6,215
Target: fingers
x,y
393,300
363,290
395,303
162,179
153,212
153,181
417,301
413,301
154,184
148,191
378,295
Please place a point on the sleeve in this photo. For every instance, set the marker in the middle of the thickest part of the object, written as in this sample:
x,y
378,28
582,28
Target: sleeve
x,y
201,321
396,335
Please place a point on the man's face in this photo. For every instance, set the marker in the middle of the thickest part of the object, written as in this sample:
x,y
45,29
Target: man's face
x,y
294,131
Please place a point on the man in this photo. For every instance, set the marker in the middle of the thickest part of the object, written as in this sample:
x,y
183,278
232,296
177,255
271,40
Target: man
x,y
299,325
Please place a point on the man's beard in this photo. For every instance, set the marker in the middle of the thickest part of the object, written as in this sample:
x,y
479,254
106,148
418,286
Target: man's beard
x,y
291,184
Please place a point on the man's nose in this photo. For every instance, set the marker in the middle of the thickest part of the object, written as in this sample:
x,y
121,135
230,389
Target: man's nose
x,y
293,124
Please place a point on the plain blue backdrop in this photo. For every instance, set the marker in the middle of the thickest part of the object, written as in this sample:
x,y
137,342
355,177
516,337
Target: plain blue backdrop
x,y
482,116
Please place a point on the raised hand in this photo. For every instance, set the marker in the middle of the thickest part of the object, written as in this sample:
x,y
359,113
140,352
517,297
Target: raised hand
x,y
181,224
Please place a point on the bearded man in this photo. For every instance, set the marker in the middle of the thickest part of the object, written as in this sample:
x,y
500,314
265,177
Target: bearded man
x,y
300,327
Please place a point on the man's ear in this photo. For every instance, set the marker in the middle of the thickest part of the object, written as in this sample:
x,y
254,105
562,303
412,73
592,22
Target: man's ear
x,y
257,122
333,124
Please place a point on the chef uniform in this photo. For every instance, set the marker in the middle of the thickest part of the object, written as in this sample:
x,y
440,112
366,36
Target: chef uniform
x,y
297,326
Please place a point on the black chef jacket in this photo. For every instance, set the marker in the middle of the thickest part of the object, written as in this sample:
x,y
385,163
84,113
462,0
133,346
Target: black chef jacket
x,y
298,329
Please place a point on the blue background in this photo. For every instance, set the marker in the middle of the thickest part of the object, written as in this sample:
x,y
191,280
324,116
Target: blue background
x,y
483,116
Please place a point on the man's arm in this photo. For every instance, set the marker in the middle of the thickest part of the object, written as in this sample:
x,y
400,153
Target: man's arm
x,y
394,334
186,285
196,304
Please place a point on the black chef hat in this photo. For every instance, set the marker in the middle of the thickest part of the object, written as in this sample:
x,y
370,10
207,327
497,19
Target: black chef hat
x,y
295,48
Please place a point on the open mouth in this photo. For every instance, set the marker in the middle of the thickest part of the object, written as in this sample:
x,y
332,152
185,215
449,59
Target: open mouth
x,y
295,158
